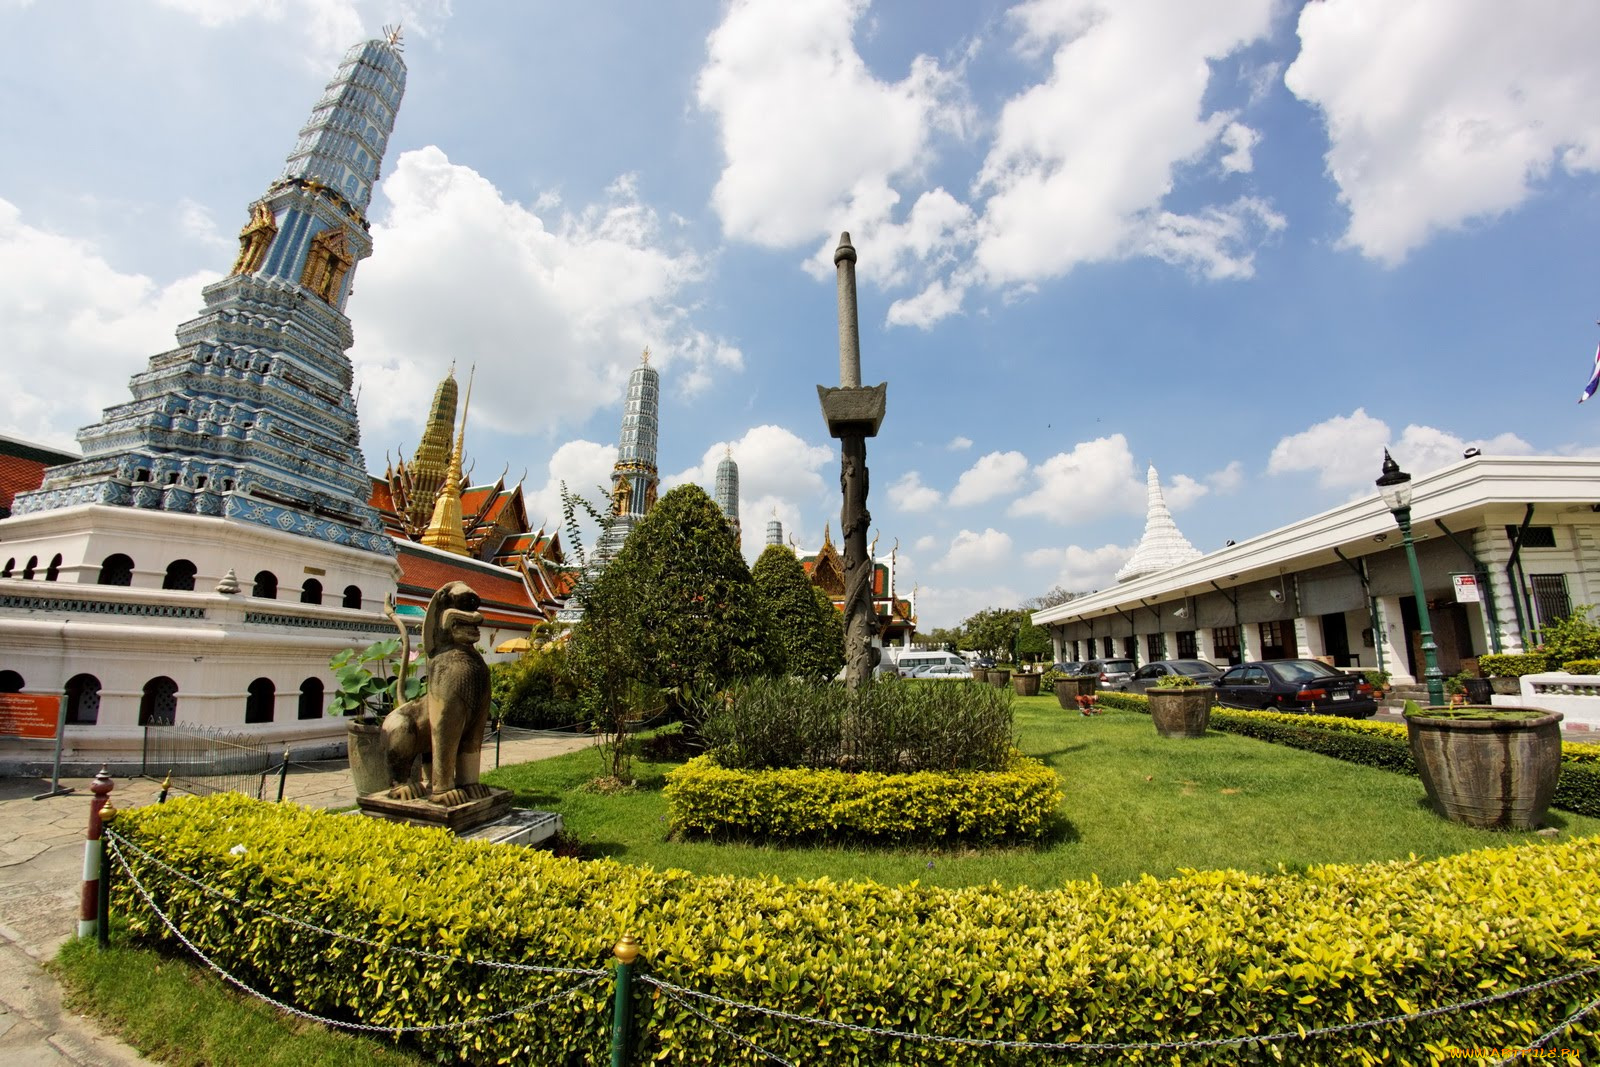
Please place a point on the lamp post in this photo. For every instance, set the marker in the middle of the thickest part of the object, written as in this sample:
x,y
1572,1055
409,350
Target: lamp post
x,y
1394,485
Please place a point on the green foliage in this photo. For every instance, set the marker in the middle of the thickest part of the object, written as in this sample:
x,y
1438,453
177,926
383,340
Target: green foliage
x,y
1582,666
1047,680
537,691
808,628
1575,637
367,679
1177,681
807,804
1032,641
607,660
888,727
992,631
1211,954
1457,683
1511,664
1377,679
693,617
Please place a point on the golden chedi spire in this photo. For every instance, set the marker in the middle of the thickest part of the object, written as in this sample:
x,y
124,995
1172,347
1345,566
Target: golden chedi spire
x,y
445,528
432,458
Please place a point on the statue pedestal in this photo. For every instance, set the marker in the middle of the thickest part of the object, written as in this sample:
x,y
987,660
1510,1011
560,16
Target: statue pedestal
x,y
457,818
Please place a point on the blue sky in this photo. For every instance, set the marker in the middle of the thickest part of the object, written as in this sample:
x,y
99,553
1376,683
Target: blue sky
x,y
1250,242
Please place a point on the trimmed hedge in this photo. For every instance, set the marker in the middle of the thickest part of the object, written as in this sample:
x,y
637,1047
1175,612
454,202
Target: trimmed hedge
x,y
1582,666
1214,954
801,804
1511,664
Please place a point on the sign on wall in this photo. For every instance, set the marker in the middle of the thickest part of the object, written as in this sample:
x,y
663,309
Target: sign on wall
x,y
29,715
1467,591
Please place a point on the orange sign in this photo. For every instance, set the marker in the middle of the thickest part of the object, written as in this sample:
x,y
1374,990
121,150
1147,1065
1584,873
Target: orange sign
x,y
29,715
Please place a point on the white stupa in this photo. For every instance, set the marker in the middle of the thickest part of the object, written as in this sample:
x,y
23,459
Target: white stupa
x,y
1162,546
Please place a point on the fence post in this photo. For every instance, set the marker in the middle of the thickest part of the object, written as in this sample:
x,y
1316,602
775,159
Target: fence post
x,y
89,902
283,774
627,952
102,906
166,787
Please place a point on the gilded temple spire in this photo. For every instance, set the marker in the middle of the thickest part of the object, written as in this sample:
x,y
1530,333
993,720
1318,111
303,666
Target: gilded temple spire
x,y
445,530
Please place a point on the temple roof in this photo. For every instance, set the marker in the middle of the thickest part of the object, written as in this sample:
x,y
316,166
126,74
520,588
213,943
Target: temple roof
x,y
1162,546
507,600
22,468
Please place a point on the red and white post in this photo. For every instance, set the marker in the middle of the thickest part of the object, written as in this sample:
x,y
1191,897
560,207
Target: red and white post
x,y
89,907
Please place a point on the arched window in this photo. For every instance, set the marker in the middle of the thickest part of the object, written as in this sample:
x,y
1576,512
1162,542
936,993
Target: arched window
x,y
10,682
352,596
117,569
311,698
258,705
33,565
159,705
266,586
54,570
311,592
11,565
180,575
83,700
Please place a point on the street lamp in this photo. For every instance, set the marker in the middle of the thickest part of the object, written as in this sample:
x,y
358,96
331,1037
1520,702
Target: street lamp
x,y
1394,485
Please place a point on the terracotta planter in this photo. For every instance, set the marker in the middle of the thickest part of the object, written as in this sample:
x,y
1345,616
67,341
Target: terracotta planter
x,y
980,674
1086,685
1495,773
1181,712
1026,685
369,769
998,679
1066,694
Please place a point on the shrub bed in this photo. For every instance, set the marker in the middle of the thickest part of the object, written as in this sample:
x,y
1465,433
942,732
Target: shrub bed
x,y
1512,664
802,804
1209,955
889,726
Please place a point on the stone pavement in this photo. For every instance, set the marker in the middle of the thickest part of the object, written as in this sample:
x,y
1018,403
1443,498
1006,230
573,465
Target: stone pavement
x,y
41,874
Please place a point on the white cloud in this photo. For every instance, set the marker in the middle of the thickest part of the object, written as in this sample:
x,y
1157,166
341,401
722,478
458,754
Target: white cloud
x,y
1082,163
1182,491
942,607
1440,112
926,543
971,551
813,141
778,472
909,494
995,474
1228,479
1095,478
562,309
196,223
1346,450
959,444
585,467
1082,569
1240,140
925,310
331,26
78,325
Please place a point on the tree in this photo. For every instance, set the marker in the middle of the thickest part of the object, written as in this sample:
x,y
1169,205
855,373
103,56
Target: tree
x,y
696,621
1032,641
992,631
942,638
808,629
1050,599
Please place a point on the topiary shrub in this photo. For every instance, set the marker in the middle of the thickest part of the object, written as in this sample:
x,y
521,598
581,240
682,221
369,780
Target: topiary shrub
x,y
1576,636
1511,664
808,628
1582,666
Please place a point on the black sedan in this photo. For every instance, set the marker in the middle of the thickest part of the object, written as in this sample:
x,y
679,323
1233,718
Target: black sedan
x,y
1202,671
1295,685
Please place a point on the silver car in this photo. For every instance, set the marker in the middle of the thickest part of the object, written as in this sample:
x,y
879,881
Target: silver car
x,y
1203,671
1113,673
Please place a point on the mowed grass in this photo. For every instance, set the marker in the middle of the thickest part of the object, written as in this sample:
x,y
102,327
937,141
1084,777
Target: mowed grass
x,y
1135,804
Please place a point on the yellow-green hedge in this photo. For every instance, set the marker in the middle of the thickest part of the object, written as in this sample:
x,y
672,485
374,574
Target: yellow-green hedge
x,y
1209,955
800,804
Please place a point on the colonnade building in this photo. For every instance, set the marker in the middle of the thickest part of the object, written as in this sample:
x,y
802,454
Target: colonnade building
x,y
1505,546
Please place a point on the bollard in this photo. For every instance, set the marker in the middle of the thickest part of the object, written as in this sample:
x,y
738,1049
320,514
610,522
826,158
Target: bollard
x,y
283,775
166,786
89,903
627,952
102,904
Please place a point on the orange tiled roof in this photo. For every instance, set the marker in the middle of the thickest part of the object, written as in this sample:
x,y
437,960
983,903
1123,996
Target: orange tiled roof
x,y
22,468
506,597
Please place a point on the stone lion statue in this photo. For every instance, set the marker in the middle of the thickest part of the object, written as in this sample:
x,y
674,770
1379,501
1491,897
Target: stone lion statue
x,y
442,730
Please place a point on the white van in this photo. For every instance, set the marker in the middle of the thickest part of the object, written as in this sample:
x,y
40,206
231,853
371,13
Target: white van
x,y
911,660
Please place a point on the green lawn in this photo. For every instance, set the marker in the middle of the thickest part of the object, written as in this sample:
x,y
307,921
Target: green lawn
x,y
1135,804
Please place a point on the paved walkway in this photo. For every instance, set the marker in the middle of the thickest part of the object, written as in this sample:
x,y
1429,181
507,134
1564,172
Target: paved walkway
x,y
41,873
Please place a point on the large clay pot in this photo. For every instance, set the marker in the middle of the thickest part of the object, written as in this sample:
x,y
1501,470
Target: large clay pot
x,y
1506,687
1026,685
998,679
1087,685
980,674
1495,772
1181,712
369,769
1066,693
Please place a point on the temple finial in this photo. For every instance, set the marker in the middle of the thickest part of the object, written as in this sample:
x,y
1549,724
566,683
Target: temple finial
x,y
644,357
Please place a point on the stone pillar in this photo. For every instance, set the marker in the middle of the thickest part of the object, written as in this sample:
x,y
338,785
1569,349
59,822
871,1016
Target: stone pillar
x,y
1391,640
854,414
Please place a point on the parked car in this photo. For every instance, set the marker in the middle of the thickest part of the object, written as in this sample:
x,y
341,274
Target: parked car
x,y
1071,666
1114,673
1296,685
1203,671
983,662
942,672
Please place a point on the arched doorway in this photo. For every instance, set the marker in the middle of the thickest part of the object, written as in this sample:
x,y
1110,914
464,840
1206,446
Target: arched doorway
x,y
83,700
311,698
258,705
159,704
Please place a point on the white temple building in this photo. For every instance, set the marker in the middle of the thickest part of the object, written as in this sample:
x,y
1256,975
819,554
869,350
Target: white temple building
x,y
1162,546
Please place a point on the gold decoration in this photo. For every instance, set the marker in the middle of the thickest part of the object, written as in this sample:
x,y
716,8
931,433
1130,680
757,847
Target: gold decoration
x,y
327,263
255,239
446,530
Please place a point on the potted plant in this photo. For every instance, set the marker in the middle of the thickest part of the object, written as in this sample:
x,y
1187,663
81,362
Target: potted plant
x,y
1379,680
1026,684
1487,767
1505,670
366,693
997,677
1180,706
